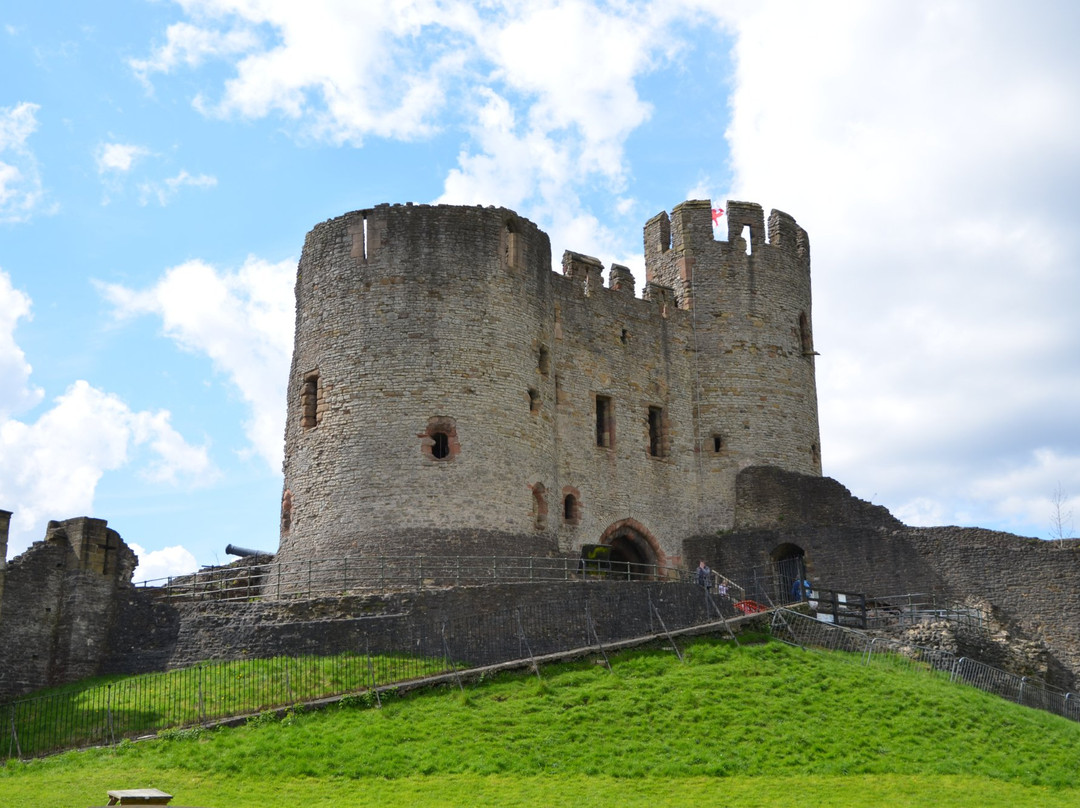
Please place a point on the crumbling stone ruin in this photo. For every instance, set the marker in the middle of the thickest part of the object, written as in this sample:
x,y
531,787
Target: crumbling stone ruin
x,y
58,601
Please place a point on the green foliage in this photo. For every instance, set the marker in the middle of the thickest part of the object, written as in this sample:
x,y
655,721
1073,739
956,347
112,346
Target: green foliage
x,y
733,726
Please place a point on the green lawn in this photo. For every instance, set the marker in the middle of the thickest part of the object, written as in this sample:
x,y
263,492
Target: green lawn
x,y
734,726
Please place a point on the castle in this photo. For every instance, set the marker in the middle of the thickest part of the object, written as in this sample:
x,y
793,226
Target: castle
x,y
450,394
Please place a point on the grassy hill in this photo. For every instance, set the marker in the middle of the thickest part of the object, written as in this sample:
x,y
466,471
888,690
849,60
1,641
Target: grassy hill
x,y
756,725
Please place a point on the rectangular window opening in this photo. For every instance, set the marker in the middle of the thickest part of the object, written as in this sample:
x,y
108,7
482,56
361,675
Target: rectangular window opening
x,y
605,422
656,432
309,401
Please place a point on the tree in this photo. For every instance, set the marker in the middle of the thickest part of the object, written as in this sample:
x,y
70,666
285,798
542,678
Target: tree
x,y
1060,517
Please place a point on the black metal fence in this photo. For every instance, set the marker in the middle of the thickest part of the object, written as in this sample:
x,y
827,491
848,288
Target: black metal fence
x,y
392,652
252,579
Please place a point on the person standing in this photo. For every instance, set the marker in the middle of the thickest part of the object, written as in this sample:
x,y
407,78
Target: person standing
x,y
704,575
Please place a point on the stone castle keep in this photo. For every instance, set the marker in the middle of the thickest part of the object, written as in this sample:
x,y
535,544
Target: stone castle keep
x,y
450,394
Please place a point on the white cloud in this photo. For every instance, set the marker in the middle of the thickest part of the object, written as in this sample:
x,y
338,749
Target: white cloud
x,y
931,152
49,469
164,563
547,91
165,191
351,68
118,157
20,184
16,393
190,45
242,320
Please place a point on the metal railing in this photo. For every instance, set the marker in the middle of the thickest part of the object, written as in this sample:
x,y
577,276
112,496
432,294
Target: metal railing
x,y
365,574
392,650
914,608
798,629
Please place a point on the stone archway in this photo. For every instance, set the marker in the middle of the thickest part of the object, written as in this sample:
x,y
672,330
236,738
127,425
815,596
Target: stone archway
x,y
635,552
789,568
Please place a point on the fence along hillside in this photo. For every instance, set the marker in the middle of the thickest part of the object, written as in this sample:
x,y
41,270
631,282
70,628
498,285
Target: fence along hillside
x,y
603,615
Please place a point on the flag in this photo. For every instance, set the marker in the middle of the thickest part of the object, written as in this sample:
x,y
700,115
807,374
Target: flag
x,y
716,214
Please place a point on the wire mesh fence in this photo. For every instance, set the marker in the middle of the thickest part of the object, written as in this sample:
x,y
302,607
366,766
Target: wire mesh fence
x,y
386,652
799,629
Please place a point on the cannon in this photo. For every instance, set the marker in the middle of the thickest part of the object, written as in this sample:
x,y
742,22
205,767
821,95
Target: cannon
x,y
243,552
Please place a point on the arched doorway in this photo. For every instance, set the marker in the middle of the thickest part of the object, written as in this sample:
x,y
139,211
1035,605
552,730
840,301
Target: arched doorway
x,y
634,552
789,568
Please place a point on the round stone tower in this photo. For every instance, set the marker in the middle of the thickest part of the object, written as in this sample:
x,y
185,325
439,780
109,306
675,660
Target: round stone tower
x,y
409,427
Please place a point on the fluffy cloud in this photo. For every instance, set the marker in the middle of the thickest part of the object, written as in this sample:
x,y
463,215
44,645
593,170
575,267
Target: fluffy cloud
x,y
348,68
931,153
242,320
545,90
20,184
118,157
16,394
164,563
50,467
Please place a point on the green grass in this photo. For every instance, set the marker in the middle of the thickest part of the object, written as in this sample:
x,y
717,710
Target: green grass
x,y
99,709
734,726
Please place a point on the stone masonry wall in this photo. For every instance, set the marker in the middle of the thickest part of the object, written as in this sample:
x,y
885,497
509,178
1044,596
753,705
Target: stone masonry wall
x,y
480,623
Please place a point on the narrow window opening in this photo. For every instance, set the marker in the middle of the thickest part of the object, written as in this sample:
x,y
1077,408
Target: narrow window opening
x,y
656,432
746,234
365,239
570,509
540,508
514,251
440,446
605,425
534,400
544,360
309,401
805,338
717,444
625,336
286,511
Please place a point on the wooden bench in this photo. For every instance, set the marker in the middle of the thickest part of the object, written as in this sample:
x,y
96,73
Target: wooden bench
x,y
139,796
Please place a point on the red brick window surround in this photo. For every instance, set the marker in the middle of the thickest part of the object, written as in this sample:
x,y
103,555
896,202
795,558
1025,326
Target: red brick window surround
x,y
539,507
439,442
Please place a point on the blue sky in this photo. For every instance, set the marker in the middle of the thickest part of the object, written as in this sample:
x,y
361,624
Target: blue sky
x,y
161,161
